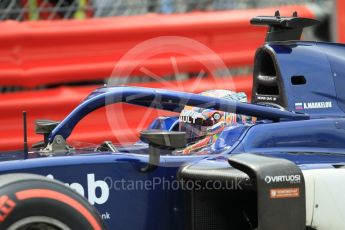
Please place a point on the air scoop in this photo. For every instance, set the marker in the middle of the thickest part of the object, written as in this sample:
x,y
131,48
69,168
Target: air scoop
x,y
283,28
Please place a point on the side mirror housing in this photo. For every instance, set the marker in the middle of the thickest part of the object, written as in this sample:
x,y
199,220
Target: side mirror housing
x,y
45,127
159,140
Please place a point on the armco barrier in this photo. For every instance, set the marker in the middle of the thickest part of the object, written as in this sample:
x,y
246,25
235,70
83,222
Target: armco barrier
x,y
53,52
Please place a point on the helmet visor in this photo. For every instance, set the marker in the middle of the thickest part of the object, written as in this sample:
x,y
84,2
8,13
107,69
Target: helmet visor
x,y
193,132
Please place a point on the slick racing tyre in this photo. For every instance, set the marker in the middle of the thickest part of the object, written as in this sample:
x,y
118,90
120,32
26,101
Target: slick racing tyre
x,y
32,202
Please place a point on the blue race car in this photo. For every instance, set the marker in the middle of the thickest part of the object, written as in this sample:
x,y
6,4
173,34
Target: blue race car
x,y
277,163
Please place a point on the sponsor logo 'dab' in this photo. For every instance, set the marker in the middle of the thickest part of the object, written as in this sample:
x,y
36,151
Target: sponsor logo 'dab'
x,y
293,179
92,185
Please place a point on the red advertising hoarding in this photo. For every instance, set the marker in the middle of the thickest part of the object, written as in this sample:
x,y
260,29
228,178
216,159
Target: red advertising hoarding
x,y
341,20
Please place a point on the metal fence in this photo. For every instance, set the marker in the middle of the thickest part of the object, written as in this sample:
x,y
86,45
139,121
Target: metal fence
x,y
79,9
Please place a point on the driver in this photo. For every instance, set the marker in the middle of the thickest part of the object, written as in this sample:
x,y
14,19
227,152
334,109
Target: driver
x,y
202,126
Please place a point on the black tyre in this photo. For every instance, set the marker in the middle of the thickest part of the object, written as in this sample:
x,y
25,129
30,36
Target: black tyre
x,y
32,202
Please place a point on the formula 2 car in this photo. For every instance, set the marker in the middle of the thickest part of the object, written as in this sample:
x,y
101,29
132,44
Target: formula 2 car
x,y
284,171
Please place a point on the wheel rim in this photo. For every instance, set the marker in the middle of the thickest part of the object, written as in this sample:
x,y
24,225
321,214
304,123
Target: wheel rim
x,y
38,223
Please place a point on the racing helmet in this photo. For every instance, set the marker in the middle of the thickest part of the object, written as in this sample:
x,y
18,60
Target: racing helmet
x,y
199,123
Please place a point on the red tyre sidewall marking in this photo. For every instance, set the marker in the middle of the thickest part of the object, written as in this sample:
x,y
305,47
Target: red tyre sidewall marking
x,y
44,193
6,206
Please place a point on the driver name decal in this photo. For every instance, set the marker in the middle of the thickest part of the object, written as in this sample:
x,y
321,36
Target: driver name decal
x,y
313,105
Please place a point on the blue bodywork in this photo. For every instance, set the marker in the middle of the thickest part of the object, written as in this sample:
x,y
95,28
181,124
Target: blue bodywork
x,y
311,137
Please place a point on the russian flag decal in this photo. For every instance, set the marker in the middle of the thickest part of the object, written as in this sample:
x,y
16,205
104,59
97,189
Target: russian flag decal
x,y
299,106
